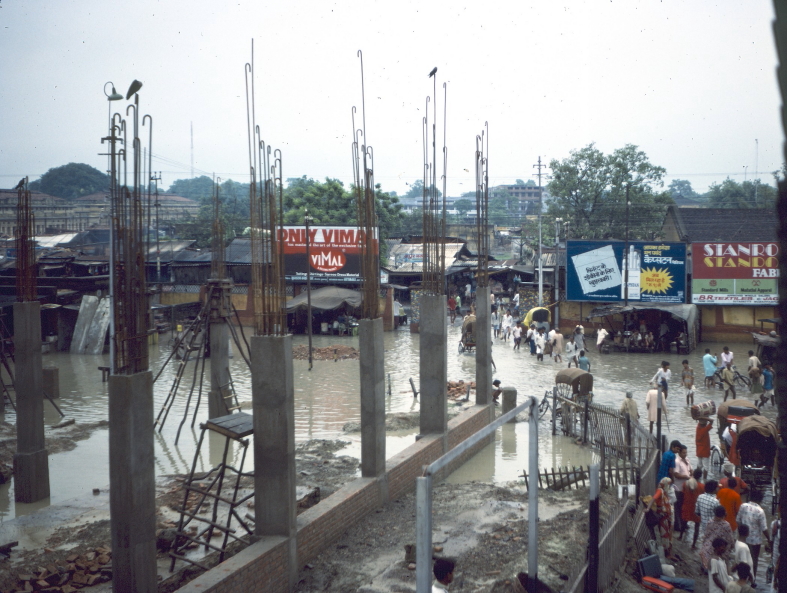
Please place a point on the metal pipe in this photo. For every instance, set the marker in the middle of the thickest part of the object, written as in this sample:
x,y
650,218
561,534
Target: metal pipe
x,y
532,500
591,582
469,443
423,534
307,219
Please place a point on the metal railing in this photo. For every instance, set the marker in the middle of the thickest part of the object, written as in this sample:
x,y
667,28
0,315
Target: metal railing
x,y
423,496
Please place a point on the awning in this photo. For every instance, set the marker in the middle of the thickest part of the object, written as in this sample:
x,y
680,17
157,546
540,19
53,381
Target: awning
x,y
327,298
685,312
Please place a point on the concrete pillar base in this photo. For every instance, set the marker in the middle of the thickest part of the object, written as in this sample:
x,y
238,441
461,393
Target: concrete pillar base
x,y
434,365
483,348
132,486
372,397
31,476
509,401
273,403
32,480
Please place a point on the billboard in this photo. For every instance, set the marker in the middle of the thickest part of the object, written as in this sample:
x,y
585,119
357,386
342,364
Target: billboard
x,y
596,269
735,273
335,253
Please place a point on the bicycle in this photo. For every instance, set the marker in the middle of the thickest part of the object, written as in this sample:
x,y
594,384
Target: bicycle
x,y
716,458
741,381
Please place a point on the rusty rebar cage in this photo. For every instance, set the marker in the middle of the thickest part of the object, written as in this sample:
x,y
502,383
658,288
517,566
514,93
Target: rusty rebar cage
x,y
218,268
130,307
266,197
363,175
26,285
434,211
482,205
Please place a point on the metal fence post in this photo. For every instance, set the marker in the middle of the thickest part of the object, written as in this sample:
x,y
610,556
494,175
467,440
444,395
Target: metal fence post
x,y
629,452
603,463
554,410
423,534
532,502
593,532
585,421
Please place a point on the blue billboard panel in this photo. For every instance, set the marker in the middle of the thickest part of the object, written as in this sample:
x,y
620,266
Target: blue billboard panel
x,y
596,271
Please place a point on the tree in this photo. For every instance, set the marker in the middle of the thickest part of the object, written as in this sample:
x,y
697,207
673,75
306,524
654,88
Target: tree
x,y
681,188
195,188
590,189
417,190
71,181
749,194
520,182
464,206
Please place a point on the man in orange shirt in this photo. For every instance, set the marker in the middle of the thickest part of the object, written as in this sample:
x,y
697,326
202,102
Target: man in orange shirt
x,y
729,470
731,501
702,443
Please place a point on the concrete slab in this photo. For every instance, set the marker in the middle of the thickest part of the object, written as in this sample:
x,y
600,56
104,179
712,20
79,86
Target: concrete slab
x,y
96,333
87,309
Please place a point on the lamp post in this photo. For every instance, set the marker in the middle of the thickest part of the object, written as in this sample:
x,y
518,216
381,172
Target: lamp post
x,y
113,96
626,257
307,219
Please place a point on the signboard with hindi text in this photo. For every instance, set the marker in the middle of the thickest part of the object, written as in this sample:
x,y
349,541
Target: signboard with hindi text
x,y
334,253
595,271
735,273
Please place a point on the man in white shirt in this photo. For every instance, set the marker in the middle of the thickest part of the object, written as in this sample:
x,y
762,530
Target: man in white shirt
x,y
726,357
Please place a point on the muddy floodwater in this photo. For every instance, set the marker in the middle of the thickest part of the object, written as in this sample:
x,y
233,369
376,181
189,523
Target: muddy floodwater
x,y
327,397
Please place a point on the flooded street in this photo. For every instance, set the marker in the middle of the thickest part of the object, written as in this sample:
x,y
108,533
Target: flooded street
x,y
327,397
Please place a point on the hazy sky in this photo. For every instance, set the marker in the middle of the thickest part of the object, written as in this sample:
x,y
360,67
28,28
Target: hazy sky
x,y
693,84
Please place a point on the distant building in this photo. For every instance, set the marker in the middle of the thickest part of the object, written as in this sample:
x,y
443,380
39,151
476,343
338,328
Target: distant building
x,y
524,198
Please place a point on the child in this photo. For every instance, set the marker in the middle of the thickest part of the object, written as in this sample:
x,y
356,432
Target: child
x,y
767,385
717,571
583,361
540,341
741,554
687,380
662,377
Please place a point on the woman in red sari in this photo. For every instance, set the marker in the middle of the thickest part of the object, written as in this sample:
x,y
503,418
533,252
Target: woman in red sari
x,y
691,490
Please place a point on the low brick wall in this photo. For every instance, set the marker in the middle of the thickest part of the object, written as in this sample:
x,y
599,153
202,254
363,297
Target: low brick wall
x,y
263,566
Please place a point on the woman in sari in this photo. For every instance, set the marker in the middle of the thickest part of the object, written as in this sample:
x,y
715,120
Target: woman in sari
x,y
717,528
661,505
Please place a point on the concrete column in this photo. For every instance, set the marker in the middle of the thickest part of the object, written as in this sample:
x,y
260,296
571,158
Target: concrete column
x,y
219,368
483,347
509,401
219,292
370,344
132,483
273,401
434,364
31,465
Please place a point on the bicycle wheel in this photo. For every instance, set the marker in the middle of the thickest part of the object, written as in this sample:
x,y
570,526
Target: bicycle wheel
x,y
742,381
716,459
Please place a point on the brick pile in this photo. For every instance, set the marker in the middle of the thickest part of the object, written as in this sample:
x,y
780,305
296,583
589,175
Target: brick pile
x,y
77,572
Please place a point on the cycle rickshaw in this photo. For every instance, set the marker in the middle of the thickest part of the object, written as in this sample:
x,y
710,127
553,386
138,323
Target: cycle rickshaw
x,y
575,385
758,439
467,343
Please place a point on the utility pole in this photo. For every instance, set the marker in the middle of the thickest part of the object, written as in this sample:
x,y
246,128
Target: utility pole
x,y
626,261
156,178
538,166
557,270
307,219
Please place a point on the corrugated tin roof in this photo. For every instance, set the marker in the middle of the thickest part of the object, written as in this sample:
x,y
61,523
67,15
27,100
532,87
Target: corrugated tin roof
x,y
55,240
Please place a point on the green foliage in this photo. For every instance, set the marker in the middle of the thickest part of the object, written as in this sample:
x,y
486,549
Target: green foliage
x,y
749,194
71,181
417,190
590,189
681,188
196,188
464,206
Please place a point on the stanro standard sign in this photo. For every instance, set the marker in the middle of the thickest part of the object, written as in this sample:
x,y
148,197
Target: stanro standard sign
x,y
735,273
